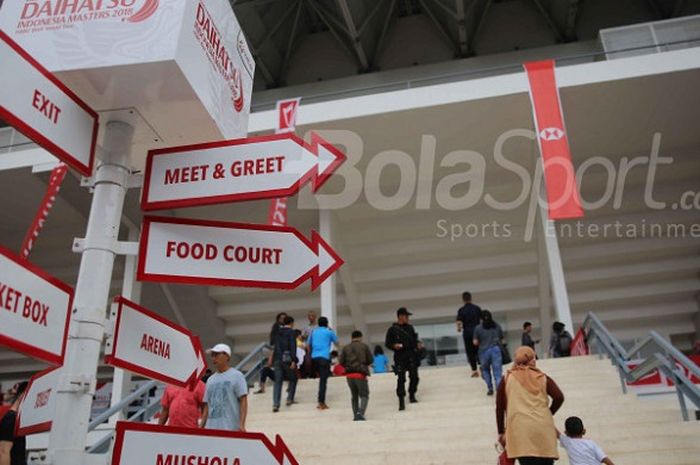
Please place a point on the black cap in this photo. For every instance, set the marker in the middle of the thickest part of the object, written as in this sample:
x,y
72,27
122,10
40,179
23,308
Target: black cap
x,y
403,311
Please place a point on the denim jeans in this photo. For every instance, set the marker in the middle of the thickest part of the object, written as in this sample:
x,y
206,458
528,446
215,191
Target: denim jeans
x,y
490,360
282,372
323,368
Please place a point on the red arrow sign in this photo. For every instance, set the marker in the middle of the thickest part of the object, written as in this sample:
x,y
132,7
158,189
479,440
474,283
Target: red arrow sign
x,y
145,444
146,343
37,407
34,309
232,254
41,107
241,169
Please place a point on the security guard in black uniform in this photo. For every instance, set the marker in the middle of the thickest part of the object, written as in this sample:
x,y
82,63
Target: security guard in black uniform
x,y
403,340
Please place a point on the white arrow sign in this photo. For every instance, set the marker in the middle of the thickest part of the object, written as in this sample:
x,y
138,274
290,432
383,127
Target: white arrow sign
x,y
146,343
34,309
37,407
145,444
37,104
232,254
241,169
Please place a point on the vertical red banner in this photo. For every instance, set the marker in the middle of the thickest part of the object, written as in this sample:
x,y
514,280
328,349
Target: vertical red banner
x,y
57,175
286,122
560,177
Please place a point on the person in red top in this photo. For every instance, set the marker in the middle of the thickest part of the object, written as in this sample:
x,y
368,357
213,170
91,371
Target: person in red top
x,y
182,406
356,357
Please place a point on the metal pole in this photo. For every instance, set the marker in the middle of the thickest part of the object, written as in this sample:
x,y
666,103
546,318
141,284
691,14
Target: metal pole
x,y
76,388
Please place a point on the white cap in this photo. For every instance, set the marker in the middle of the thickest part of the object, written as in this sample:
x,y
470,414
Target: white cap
x,y
220,348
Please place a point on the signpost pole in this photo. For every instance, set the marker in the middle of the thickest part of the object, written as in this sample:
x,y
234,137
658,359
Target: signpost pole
x,y
77,385
131,289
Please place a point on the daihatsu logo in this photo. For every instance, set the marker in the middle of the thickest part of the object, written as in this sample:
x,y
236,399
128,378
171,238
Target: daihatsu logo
x,y
550,134
145,12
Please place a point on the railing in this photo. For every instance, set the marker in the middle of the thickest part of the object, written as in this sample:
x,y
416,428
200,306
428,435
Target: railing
x,y
463,75
144,413
666,358
254,361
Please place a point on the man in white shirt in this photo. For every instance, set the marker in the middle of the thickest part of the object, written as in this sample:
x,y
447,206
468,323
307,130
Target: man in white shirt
x,y
226,395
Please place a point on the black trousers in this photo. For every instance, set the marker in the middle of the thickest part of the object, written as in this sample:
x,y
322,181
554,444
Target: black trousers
x,y
535,461
403,366
470,348
323,367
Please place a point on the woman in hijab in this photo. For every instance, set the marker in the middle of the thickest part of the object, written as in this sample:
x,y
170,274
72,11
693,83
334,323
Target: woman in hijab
x,y
522,400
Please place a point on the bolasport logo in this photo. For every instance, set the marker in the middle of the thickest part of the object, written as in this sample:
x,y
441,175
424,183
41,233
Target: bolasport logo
x,y
212,42
46,15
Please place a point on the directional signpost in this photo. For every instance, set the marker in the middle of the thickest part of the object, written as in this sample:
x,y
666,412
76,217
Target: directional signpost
x,y
233,170
232,254
148,344
34,309
37,104
37,407
144,444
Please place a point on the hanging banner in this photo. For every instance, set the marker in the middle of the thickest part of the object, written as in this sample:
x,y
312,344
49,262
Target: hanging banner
x,y
57,176
286,122
560,177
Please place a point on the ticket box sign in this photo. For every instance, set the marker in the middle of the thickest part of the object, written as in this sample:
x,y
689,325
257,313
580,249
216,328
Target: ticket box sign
x,y
34,309
184,65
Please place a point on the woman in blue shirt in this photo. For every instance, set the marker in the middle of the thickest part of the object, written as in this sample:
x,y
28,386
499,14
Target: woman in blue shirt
x,y
380,360
320,344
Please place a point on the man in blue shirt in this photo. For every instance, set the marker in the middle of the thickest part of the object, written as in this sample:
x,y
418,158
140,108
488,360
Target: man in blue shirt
x,y
320,342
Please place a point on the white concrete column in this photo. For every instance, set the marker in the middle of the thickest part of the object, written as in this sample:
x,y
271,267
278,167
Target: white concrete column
x,y
328,287
544,295
557,281
131,289
76,387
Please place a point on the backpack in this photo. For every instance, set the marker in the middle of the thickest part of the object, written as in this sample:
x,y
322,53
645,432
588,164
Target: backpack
x,y
564,343
282,345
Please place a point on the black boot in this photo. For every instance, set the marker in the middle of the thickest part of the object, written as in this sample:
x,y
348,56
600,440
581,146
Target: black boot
x,y
412,399
402,404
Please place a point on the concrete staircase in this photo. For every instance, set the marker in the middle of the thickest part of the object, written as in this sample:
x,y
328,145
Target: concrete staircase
x,y
454,422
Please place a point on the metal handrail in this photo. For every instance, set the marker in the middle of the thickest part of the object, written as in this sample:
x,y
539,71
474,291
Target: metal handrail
x,y
121,405
149,410
666,358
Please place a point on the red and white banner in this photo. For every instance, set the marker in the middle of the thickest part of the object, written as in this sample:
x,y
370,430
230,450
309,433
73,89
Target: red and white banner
x,y
37,104
656,379
579,345
150,345
241,169
560,177
34,309
144,444
37,407
57,176
232,254
286,122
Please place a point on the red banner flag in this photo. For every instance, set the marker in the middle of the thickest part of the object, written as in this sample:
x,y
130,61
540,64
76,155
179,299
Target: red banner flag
x,y
286,122
579,345
560,178
57,175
